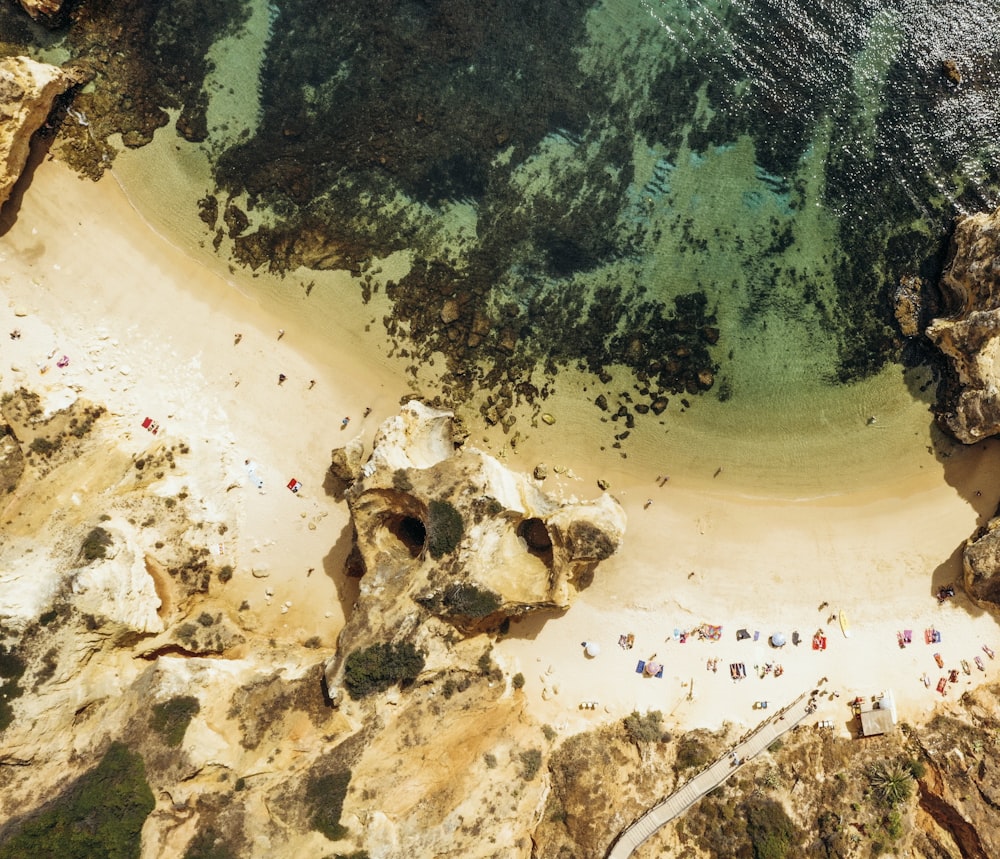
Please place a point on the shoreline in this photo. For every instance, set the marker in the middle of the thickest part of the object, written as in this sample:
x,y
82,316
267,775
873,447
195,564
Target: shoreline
x,y
703,552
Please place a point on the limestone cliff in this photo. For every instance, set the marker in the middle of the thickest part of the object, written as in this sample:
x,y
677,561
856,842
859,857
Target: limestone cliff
x,y
446,537
968,334
27,91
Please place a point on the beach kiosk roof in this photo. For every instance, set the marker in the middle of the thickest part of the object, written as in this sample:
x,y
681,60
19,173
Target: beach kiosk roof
x,y
880,718
778,639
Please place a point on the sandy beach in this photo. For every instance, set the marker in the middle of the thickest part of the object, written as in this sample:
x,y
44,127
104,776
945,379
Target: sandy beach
x,y
152,333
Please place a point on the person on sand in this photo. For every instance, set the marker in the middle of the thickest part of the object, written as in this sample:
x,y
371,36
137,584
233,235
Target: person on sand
x,y
345,422
312,384
281,378
281,333
236,339
367,411
15,334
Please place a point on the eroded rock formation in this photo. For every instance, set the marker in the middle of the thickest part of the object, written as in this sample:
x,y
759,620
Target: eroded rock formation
x,y
968,334
981,565
27,91
446,537
42,10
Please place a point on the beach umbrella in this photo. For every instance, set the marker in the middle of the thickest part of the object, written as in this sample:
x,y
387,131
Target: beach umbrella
x,y
592,648
778,639
652,668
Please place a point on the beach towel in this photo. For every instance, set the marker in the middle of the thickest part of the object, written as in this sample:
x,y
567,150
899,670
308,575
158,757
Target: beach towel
x,y
756,635
742,634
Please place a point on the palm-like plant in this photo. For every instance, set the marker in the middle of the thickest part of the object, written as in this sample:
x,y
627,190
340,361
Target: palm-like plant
x,y
891,782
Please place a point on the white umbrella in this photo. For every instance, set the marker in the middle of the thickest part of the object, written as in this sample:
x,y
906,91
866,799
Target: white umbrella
x,y
592,648
778,639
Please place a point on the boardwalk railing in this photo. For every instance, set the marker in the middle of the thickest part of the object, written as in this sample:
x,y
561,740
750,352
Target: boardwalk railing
x,y
748,747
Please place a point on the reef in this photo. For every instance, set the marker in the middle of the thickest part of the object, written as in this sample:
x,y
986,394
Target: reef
x,y
446,540
968,331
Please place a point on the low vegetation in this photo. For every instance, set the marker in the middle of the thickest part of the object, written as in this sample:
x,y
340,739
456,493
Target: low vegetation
x,y
170,719
100,815
376,668
12,668
470,600
95,544
325,797
445,528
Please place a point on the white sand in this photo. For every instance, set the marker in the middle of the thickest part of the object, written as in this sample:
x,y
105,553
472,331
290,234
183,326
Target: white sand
x,y
149,332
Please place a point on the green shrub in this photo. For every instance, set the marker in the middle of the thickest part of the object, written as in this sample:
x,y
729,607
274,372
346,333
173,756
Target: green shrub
x,y
471,601
646,728
891,782
101,815
171,718
95,544
531,762
772,832
517,681
43,446
378,667
444,528
325,798
692,752
490,760
12,668
917,768
225,574
549,732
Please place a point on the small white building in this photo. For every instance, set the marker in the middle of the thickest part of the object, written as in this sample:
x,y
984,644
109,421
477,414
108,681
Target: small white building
x,y
879,717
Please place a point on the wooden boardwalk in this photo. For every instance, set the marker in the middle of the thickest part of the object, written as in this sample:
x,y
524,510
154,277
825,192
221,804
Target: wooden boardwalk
x,y
712,776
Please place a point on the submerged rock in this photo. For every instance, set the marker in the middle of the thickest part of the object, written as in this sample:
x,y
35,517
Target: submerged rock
x,y
968,335
447,538
907,303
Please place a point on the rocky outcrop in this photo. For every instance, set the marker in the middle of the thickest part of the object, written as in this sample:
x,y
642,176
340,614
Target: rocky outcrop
x,y
42,10
981,565
27,91
446,538
968,335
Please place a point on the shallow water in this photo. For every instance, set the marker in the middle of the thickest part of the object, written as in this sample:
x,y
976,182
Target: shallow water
x,y
574,171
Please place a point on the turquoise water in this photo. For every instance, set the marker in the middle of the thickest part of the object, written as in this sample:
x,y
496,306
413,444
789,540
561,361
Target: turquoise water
x,y
702,203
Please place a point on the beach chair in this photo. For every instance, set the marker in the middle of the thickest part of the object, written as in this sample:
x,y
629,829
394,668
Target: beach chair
x,y
900,640
640,666
979,664
734,671
988,651
939,660
942,685
929,636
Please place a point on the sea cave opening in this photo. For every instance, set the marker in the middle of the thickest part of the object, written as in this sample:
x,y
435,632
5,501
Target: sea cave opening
x,y
536,538
410,531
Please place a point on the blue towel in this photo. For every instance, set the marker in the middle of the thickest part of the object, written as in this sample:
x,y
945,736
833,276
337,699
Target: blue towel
x,y
640,666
